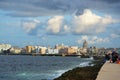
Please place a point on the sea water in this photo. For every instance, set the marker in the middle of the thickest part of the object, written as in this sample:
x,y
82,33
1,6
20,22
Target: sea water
x,y
19,67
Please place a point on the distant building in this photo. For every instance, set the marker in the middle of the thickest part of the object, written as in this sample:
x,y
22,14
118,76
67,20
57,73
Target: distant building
x,y
72,50
15,50
29,49
52,51
43,50
23,50
93,50
63,51
103,51
4,47
74,47
40,50
82,51
85,44
62,46
69,50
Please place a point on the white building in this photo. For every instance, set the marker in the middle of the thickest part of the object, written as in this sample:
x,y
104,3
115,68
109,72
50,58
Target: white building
x,y
40,49
4,47
52,51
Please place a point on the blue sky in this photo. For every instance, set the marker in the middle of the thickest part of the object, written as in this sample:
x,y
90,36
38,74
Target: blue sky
x,y
50,22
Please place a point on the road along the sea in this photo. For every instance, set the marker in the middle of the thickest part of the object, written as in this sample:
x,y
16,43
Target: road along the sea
x,y
109,71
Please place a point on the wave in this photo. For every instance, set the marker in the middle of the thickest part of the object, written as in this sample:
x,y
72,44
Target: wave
x,y
87,63
83,64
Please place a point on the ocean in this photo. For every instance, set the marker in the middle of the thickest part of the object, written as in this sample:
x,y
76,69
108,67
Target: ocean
x,y
22,67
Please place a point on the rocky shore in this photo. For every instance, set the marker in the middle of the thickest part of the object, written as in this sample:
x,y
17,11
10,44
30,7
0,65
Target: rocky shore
x,y
83,73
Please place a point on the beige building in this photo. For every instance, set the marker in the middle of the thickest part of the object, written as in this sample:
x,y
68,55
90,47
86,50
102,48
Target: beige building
x,y
69,50
82,51
40,50
29,49
43,50
15,50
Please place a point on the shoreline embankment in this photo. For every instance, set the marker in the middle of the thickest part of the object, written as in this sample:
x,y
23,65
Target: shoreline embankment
x,y
83,73
74,55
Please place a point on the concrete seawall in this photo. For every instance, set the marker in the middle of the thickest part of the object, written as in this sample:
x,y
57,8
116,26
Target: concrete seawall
x,y
109,71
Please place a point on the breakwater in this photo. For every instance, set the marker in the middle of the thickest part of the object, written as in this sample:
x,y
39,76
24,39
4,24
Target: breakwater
x,y
83,73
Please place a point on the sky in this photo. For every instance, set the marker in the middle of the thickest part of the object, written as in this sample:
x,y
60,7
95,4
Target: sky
x,y
50,22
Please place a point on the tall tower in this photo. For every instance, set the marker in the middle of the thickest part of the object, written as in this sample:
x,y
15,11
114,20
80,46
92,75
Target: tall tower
x,y
85,44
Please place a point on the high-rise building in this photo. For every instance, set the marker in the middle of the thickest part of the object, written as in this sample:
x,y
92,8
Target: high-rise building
x,y
85,44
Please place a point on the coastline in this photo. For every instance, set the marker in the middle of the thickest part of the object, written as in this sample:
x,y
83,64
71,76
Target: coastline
x,y
33,54
83,73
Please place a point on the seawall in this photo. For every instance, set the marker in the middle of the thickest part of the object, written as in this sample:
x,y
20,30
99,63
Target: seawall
x,y
109,71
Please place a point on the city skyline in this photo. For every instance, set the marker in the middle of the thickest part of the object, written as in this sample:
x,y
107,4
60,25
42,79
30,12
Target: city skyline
x,y
50,22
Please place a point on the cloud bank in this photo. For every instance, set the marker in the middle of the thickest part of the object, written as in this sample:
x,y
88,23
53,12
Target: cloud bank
x,y
35,8
115,35
90,23
87,23
56,25
29,25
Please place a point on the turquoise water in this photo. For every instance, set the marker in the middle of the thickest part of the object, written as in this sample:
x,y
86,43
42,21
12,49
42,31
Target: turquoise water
x,y
21,67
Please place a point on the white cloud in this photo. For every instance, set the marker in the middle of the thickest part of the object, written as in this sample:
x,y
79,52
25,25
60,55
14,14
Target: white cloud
x,y
83,38
115,35
102,40
30,25
36,20
93,40
86,23
56,25
66,28
89,23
